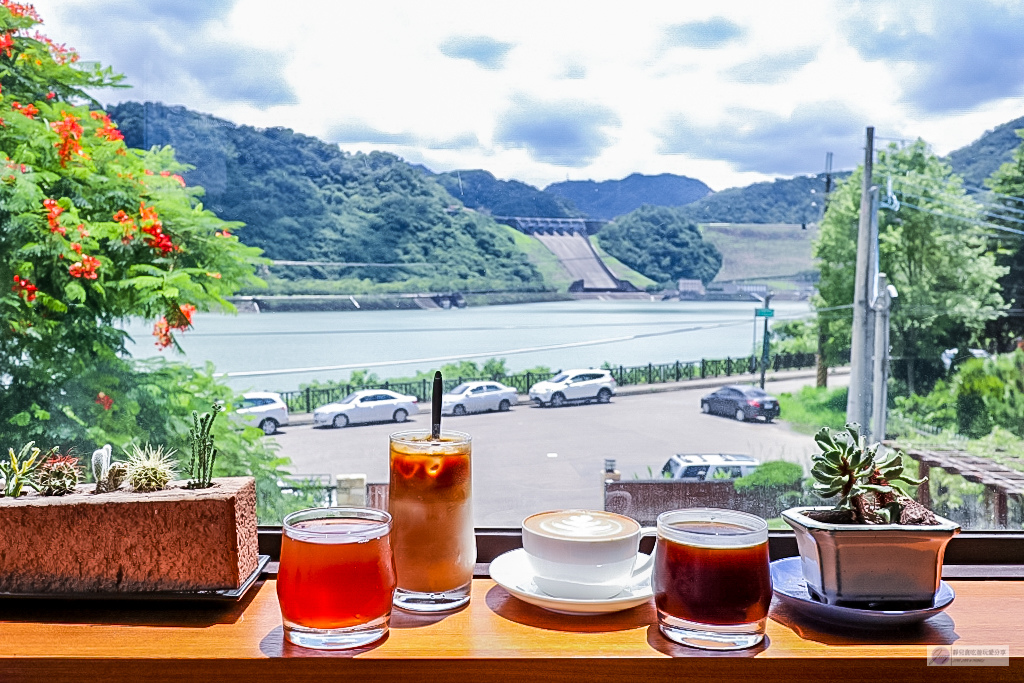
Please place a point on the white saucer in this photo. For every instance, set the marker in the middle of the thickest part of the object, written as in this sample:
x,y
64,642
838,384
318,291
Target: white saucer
x,y
512,572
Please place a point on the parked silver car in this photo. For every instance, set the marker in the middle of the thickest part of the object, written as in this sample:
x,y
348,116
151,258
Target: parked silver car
x,y
476,397
708,467
366,405
268,410
574,386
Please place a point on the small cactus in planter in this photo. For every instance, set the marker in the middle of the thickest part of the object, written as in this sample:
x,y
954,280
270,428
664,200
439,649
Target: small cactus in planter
x,y
149,469
847,467
108,475
59,475
200,466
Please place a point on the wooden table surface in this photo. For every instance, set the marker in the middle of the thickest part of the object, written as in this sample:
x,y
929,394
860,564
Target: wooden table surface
x,y
496,637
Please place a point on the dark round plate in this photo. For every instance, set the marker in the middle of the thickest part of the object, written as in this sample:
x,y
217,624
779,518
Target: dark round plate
x,y
788,582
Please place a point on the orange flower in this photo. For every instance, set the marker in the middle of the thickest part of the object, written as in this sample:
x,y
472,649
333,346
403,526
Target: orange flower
x,y
162,332
25,289
104,400
85,269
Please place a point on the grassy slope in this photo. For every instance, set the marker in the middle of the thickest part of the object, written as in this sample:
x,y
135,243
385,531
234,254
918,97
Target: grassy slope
x,y
751,251
620,269
555,276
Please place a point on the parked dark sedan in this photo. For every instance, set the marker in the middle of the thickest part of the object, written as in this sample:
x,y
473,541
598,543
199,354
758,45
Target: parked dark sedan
x,y
741,402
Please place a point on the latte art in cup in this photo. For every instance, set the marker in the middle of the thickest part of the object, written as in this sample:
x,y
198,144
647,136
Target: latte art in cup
x,y
581,525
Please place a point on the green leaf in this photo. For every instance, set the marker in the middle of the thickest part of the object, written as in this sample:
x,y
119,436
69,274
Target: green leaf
x,y
74,291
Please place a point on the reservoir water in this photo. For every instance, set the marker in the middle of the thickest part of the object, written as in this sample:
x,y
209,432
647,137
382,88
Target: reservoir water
x,y
397,343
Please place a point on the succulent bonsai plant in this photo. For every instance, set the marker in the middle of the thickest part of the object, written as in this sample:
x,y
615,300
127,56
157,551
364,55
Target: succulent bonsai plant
x,y
108,475
863,478
150,469
59,475
200,466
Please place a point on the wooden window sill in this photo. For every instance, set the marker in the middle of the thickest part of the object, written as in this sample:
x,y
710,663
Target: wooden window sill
x,y
495,638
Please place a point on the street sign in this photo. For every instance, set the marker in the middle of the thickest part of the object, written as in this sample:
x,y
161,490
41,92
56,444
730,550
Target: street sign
x,y
764,312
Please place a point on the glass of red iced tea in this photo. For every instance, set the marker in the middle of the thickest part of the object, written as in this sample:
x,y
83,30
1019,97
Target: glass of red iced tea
x,y
711,580
336,580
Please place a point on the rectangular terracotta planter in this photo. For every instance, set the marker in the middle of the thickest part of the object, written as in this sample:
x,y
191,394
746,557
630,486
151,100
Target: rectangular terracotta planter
x,y
870,562
126,542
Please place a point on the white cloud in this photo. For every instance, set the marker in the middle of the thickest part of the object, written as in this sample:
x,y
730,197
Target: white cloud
x,y
460,84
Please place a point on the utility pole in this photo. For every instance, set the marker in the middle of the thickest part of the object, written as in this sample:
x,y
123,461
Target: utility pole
x,y
857,403
765,313
821,379
881,305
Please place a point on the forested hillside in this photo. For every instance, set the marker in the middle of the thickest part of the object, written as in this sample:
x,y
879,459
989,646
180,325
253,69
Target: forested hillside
x,y
793,200
610,198
978,160
304,199
662,245
482,191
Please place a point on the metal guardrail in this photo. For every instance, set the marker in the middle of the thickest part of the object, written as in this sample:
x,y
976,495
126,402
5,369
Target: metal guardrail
x,y
306,400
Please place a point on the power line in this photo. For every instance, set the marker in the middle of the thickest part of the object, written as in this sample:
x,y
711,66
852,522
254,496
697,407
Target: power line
x,y
984,224
983,213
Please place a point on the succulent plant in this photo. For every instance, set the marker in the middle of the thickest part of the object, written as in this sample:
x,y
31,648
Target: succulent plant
x,y
59,475
200,465
863,479
21,469
108,475
150,469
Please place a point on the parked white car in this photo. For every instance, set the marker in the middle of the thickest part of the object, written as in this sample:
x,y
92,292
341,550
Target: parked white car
x,y
366,405
708,467
476,397
267,408
573,386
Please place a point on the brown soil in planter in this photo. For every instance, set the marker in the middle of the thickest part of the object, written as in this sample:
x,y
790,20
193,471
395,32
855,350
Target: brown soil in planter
x,y
122,541
912,514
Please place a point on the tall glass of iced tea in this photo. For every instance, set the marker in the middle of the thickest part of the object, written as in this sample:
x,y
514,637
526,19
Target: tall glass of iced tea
x,y
712,584
337,577
431,500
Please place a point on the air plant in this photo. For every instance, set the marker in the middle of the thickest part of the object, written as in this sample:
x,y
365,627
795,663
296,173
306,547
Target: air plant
x,y
150,469
59,475
200,466
21,469
863,479
108,475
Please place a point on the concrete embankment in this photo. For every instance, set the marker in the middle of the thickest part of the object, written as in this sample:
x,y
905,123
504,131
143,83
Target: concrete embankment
x,y
386,302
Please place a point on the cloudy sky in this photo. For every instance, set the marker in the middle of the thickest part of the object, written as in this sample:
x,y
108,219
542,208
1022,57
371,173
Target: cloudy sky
x,y
728,92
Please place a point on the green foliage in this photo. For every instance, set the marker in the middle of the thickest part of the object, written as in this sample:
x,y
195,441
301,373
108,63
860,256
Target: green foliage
x,y
773,254
493,369
984,156
990,392
1008,180
812,407
946,276
481,190
937,408
611,198
795,336
204,455
774,474
786,200
304,199
150,469
658,242
21,470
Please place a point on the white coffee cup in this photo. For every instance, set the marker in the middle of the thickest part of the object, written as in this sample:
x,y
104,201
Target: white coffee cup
x,y
584,554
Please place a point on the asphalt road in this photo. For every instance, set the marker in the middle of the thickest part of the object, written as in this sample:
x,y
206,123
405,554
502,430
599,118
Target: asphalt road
x,y
532,459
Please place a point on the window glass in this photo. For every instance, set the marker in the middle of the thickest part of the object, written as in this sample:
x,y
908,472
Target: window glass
x,y
499,231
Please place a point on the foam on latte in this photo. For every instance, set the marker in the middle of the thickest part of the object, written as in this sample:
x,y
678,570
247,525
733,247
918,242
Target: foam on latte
x,y
581,524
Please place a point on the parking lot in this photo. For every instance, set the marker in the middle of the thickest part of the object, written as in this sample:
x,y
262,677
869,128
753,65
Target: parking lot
x,y
531,459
